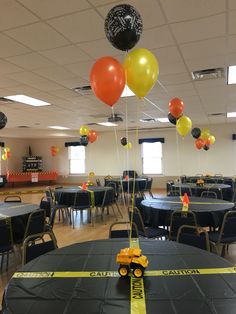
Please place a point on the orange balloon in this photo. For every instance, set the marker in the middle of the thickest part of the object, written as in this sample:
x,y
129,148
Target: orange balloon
x,y
199,143
107,80
176,107
92,136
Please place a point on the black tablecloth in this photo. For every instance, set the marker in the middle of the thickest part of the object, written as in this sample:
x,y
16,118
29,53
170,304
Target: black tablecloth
x,y
66,195
177,290
222,190
127,185
209,212
19,213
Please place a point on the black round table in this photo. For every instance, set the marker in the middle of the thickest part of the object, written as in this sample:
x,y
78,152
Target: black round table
x,y
83,278
67,195
209,212
222,190
18,213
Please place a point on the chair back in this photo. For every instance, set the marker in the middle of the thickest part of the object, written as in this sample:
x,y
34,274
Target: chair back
x,y
31,249
130,173
108,198
194,236
46,205
209,194
98,182
178,219
36,223
114,185
136,217
12,198
122,233
228,228
148,186
82,200
6,238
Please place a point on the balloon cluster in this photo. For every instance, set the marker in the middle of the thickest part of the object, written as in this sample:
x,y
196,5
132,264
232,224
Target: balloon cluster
x,y
87,135
176,117
7,153
3,120
125,143
54,150
123,27
203,138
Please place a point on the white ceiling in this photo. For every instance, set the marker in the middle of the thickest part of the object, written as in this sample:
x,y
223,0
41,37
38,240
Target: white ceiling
x,y
49,47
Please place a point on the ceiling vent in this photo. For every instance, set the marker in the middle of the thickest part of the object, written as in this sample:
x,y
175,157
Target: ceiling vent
x,y
207,74
115,118
23,127
216,114
150,120
83,90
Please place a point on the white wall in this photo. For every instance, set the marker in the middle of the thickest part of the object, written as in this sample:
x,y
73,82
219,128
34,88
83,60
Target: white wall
x,y
108,156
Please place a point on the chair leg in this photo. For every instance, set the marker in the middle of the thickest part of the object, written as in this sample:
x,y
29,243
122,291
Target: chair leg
x,y
2,258
119,211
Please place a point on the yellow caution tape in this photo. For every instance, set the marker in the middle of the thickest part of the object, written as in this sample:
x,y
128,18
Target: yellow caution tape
x,y
113,274
22,192
137,294
198,203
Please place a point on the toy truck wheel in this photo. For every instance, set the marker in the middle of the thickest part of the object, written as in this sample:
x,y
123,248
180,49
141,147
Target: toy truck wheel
x,y
123,270
138,272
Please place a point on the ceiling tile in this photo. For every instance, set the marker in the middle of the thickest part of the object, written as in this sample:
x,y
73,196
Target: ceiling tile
x,y
12,14
6,82
81,26
232,4
187,10
172,68
151,14
38,36
99,48
66,55
10,47
232,22
30,61
7,67
81,69
54,72
206,63
47,9
213,26
156,38
167,55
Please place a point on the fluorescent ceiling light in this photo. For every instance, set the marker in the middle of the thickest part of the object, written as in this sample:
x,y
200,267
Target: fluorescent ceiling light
x,y
28,100
108,124
57,127
163,120
127,92
232,74
231,114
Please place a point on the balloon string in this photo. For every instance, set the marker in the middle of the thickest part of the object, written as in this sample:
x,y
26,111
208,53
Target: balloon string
x,y
178,159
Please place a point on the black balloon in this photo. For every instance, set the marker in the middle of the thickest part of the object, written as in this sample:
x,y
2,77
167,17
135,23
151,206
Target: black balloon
x,y
196,132
172,119
84,140
123,26
206,147
124,141
3,120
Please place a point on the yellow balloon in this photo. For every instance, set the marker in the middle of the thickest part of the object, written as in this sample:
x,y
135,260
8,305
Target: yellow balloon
x,y
91,174
212,139
84,130
205,133
4,157
141,68
183,125
6,149
128,145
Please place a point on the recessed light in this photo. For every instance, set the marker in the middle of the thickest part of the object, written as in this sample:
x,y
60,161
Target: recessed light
x,y
58,127
163,120
127,92
231,114
107,124
232,74
28,100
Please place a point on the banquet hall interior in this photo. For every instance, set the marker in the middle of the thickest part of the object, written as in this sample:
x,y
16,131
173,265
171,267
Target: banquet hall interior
x,y
176,129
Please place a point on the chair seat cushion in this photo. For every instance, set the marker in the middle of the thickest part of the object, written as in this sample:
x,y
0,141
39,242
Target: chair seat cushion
x,y
214,236
155,232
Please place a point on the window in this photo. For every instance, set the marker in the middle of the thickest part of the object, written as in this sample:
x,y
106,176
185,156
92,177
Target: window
x,y
77,159
152,158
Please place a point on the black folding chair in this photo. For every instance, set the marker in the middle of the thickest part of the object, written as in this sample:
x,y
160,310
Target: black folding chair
x,y
33,249
145,231
178,219
82,202
226,235
115,230
209,194
6,240
194,236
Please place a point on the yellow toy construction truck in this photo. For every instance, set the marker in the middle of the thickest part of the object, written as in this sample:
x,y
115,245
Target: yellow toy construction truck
x,y
131,259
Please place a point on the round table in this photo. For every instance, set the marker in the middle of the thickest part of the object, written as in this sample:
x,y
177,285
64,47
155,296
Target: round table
x,y
127,185
83,278
68,195
209,211
19,213
222,190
